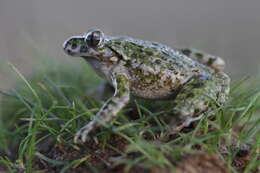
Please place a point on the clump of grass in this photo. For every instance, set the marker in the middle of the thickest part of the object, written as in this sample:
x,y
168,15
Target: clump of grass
x,y
41,114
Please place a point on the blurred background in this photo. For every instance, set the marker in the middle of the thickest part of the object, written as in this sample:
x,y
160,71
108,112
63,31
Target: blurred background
x,y
227,28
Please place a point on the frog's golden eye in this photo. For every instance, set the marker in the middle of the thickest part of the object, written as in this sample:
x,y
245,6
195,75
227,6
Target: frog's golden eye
x,y
94,38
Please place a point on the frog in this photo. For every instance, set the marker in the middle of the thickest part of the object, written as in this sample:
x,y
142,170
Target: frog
x,y
192,79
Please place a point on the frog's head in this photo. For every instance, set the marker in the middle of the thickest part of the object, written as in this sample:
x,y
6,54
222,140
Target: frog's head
x,y
88,45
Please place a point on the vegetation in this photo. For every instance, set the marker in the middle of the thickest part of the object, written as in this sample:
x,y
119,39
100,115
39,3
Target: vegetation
x,y
41,114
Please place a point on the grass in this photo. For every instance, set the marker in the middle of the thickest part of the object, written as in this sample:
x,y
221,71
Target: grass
x,y
41,114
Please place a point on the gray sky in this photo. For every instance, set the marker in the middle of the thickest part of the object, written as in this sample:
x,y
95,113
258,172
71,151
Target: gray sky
x,y
227,28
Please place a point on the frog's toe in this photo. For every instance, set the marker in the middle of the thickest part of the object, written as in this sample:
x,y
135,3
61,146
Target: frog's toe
x,y
77,138
82,135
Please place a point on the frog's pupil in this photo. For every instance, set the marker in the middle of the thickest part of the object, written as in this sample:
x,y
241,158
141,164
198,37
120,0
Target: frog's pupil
x,y
93,39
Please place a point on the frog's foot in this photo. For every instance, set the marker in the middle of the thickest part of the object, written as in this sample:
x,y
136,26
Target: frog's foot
x,y
83,134
182,124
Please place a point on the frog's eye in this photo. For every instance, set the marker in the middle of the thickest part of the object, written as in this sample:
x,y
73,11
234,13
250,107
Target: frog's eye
x,y
94,38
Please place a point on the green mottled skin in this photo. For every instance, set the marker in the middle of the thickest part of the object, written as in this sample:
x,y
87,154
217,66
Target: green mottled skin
x,y
153,71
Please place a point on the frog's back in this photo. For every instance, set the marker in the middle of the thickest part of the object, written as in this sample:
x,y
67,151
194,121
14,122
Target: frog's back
x,y
156,70
152,53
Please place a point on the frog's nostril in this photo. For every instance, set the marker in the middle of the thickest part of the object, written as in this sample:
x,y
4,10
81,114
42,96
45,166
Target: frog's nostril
x,y
69,51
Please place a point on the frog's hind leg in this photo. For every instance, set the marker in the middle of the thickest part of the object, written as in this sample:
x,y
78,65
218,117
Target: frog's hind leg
x,y
214,62
195,99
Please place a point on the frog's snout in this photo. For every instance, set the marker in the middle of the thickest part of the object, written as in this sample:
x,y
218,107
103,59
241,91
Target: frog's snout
x,y
65,47
69,49
69,52
65,44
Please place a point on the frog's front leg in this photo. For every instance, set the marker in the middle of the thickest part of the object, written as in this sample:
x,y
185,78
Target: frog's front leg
x,y
110,109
